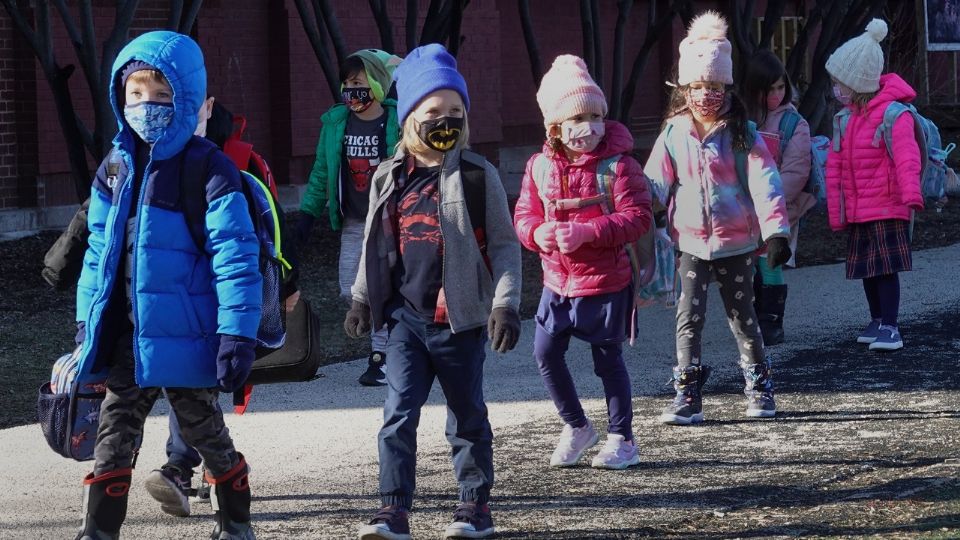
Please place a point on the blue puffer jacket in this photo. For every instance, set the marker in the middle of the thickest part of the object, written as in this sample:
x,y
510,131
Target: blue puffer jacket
x,y
183,297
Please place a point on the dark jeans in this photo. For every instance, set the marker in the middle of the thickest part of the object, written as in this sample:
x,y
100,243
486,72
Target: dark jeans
x,y
601,321
418,351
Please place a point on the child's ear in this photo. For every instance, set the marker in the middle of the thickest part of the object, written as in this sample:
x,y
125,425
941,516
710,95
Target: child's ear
x,y
553,131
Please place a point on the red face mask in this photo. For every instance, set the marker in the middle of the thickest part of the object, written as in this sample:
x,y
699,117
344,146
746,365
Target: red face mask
x,y
706,102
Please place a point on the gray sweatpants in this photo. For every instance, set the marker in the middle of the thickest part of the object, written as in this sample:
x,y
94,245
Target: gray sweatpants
x,y
127,405
734,276
351,245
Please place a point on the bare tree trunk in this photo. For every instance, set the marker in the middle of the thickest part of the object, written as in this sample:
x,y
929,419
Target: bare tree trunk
x,y
771,20
616,86
411,23
333,30
533,50
586,28
453,27
384,26
597,44
740,27
187,22
312,23
656,26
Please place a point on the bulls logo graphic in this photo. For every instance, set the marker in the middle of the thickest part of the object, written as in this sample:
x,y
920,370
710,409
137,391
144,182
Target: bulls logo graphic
x,y
443,139
361,171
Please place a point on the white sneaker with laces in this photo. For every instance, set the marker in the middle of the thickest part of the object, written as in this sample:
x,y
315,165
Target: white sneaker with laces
x,y
617,454
573,443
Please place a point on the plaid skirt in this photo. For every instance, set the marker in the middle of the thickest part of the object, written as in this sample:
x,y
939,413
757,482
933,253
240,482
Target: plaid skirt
x,y
877,248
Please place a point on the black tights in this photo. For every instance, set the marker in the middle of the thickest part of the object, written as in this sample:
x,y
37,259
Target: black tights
x,y
883,296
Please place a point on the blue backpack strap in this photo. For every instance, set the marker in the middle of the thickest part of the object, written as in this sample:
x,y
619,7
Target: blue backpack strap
x,y
788,125
542,167
606,172
840,127
740,158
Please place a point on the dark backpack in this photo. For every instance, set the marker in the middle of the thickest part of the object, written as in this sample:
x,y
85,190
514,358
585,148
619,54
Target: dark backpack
x,y
267,217
474,179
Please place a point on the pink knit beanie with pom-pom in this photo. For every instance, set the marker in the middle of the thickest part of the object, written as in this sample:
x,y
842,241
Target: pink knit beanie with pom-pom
x,y
567,90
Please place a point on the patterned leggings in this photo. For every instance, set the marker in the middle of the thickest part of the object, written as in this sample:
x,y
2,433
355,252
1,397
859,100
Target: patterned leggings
x,y
734,276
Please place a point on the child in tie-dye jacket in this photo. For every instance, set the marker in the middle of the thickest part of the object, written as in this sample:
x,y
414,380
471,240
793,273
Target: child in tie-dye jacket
x,y
717,216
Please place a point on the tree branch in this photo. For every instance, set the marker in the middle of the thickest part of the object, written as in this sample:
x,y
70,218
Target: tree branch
x,y
176,13
771,19
456,19
430,23
655,29
20,21
333,29
740,27
597,43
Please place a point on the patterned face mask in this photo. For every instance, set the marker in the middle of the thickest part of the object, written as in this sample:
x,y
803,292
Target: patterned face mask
x,y
149,119
582,137
706,102
358,99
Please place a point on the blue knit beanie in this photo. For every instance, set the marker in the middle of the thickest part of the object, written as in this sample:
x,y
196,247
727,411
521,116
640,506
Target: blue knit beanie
x,y
425,70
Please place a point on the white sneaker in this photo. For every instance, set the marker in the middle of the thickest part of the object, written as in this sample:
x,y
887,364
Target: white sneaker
x,y
573,443
616,454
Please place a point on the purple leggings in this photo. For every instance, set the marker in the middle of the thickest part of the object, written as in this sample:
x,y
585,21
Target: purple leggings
x,y
599,320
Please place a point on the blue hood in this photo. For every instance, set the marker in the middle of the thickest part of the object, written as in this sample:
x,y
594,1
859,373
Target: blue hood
x,y
180,60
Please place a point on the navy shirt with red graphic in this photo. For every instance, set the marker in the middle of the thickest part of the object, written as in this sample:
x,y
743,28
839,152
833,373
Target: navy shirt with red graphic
x,y
364,145
418,275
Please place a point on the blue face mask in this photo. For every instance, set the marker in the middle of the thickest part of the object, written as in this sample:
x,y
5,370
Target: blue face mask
x,y
149,119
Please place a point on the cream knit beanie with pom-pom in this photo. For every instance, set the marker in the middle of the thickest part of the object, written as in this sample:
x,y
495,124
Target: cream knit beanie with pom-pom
x,y
858,63
705,54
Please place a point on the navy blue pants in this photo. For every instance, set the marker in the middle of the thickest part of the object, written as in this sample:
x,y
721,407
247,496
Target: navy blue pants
x,y
600,320
180,453
419,351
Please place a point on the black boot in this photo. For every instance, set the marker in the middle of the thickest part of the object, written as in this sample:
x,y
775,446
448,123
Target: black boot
x,y
758,387
105,504
770,303
687,407
230,498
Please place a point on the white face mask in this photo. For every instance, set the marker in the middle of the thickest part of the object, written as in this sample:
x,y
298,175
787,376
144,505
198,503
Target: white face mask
x,y
581,137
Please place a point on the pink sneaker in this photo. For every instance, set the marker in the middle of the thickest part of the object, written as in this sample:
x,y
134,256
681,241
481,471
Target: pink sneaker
x,y
616,454
573,443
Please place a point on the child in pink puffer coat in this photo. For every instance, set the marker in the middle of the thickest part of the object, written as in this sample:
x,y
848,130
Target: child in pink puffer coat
x,y
870,192
563,215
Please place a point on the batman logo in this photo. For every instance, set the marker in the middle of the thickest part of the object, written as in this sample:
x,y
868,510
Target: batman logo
x,y
443,139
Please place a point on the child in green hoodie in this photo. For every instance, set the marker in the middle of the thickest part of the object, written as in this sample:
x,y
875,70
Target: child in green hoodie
x,y
356,136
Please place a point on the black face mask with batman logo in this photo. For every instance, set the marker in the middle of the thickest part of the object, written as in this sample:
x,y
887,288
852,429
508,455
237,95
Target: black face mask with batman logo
x,y
358,99
441,134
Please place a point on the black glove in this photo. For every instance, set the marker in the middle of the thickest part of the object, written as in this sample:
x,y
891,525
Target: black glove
x,y
357,323
234,360
81,332
304,227
660,219
504,329
778,251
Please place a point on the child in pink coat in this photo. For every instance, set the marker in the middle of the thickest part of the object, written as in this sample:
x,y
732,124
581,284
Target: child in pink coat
x,y
768,95
564,215
872,192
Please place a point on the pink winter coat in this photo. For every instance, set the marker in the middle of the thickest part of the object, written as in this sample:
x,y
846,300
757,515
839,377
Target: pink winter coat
x,y
865,183
794,164
601,266
711,215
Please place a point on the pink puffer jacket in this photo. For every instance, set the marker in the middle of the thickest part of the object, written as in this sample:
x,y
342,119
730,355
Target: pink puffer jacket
x,y
794,164
864,183
601,266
